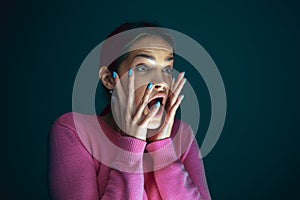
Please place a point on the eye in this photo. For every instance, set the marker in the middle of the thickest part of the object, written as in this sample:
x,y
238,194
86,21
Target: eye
x,y
167,70
141,68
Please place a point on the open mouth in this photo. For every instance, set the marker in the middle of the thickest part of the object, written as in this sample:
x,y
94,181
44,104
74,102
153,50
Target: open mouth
x,y
153,102
162,98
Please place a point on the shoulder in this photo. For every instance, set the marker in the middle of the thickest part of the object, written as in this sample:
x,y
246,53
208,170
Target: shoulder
x,y
66,118
88,130
74,120
75,126
67,139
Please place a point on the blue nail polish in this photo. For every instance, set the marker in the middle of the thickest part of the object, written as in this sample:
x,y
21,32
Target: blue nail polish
x,y
182,96
157,104
114,74
149,86
130,72
183,73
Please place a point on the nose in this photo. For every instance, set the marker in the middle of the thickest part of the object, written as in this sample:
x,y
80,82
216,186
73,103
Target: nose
x,y
160,83
160,86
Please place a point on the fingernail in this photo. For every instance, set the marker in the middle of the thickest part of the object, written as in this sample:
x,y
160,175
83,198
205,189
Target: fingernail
x,y
183,73
150,86
182,96
114,74
157,104
130,72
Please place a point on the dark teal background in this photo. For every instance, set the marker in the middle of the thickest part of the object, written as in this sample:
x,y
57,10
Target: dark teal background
x,y
255,45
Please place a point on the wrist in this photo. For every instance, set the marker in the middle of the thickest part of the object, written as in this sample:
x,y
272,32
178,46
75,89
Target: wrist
x,y
156,138
132,136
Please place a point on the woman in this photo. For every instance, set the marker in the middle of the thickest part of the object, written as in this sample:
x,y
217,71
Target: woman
x,y
149,162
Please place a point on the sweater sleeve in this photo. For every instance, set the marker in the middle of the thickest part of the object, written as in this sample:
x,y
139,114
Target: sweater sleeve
x,y
126,177
178,178
73,174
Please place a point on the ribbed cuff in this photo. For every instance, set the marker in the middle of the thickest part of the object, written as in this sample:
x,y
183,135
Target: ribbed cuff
x,y
129,157
132,144
162,153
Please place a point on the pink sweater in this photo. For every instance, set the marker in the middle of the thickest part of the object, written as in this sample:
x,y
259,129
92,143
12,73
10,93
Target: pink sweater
x,y
76,173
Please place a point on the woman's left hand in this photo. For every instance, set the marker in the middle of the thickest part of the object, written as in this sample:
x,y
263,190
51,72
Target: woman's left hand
x,y
173,102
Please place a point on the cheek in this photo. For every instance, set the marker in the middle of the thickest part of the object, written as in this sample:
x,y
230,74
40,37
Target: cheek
x,y
144,79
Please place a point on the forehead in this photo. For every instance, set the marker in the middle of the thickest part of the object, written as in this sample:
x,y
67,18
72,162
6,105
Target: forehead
x,y
151,43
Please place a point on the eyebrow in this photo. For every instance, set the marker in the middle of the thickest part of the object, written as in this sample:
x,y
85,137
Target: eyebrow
x,y
151,57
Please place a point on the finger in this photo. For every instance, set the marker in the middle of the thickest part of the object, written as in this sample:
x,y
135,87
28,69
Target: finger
x,y
119,91
119,99
174,91
153,111
172,84
174,108
179,78
130,94
177,91
143,103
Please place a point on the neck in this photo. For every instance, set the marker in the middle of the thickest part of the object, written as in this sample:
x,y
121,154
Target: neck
x,y
108,118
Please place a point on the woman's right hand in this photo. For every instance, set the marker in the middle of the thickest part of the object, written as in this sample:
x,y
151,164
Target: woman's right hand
x,y
131,123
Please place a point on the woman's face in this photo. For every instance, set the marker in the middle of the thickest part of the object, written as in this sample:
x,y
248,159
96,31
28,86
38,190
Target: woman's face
x,y
151,62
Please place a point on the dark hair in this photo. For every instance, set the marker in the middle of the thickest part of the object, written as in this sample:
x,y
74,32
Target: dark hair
x,y
111,47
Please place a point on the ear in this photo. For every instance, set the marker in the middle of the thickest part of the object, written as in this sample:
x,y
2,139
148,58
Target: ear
x,y
106,77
